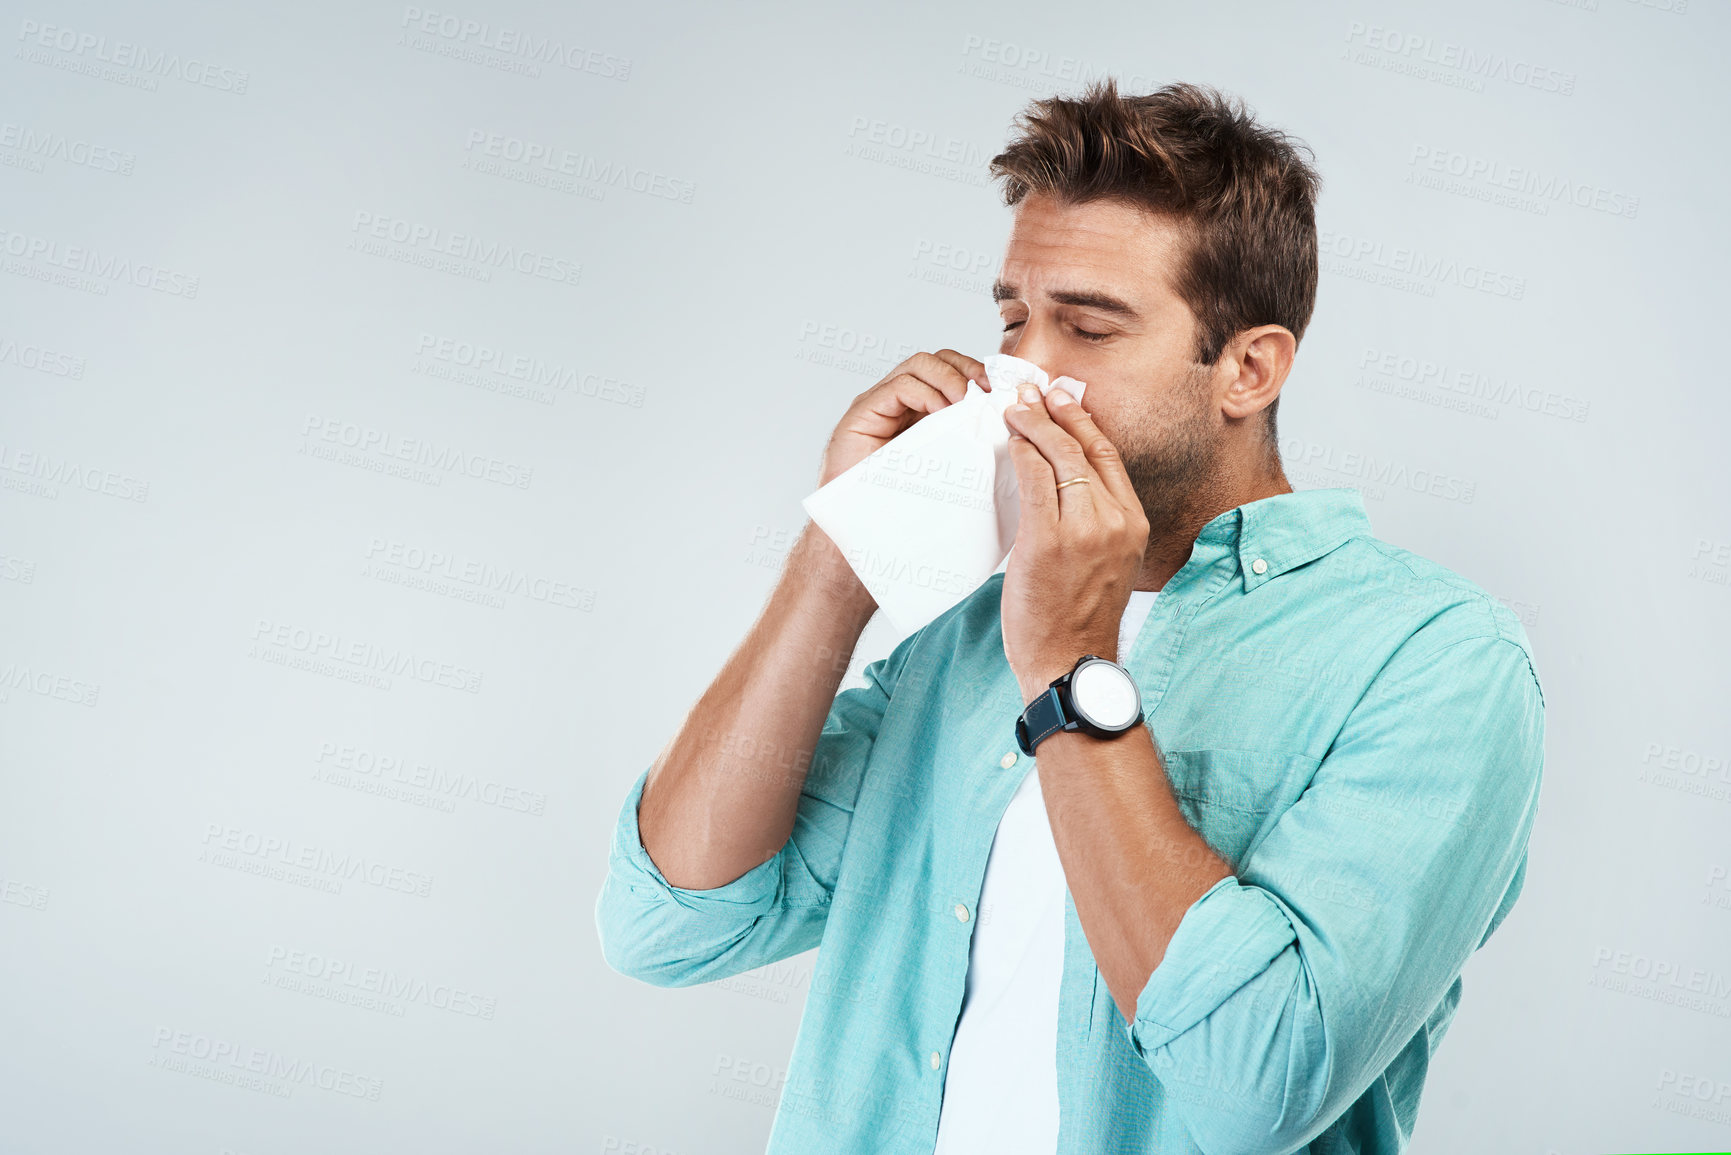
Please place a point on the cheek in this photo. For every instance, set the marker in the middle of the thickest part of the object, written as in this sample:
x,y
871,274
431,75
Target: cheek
x,y
1139,422
1110,418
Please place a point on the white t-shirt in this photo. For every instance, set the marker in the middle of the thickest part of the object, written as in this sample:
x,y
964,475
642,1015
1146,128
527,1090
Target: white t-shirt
x,y
1001,1090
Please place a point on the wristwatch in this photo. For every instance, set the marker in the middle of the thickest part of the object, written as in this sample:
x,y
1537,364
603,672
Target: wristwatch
x,y
1097,696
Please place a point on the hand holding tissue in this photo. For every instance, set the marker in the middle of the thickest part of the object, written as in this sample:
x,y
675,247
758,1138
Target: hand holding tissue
x,y
932,513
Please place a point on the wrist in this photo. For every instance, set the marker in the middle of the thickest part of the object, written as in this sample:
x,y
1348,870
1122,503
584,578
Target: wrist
x,y
1039,675
1094,695
816,561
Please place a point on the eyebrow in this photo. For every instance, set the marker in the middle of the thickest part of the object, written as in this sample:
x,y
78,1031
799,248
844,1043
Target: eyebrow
x,y
1084,298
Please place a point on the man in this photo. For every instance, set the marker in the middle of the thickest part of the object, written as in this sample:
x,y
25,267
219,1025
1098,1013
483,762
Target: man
x,y
1232,924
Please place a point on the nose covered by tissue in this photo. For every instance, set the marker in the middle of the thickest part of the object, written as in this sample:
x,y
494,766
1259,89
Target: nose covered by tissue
x,y
932,513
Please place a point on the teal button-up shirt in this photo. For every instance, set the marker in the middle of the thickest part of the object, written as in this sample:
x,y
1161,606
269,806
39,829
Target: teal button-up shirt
x,y
1357,730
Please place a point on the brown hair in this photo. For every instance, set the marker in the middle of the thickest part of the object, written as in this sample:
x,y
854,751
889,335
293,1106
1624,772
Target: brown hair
x,y
1247,197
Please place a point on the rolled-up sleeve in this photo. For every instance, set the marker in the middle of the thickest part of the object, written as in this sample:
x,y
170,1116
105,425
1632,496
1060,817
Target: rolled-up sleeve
x,y
1289,987
673,936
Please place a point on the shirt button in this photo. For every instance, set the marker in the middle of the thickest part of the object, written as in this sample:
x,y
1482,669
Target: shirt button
x,y
1008,760
961,913
1259,566
937,1060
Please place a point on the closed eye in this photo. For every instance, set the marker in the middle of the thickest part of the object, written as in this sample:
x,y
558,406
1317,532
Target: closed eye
x,y
1085,334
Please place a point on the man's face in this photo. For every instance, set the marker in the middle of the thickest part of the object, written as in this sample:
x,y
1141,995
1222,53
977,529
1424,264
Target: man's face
x,y
1085,291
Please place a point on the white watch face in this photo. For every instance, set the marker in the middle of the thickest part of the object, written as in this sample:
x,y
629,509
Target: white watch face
x,y
1105,695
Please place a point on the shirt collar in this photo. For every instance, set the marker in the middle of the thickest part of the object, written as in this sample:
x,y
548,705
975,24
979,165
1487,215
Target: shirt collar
x,y
1287,530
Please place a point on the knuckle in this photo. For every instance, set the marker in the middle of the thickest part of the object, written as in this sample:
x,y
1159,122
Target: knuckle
x,y
1100,447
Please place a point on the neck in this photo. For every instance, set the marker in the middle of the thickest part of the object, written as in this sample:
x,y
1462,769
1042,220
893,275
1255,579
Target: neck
x,y
1172,537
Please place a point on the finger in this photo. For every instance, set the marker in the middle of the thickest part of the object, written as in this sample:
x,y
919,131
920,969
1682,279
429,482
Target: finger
x,y
940,374
1107,463
892,405
1079,503
971,368
1061,450
1035,487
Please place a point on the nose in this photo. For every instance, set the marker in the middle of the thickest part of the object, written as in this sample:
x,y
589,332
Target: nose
x,y
1033,343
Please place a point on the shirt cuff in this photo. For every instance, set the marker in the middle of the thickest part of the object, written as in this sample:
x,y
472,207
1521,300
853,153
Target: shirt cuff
x,y
753,892
1226,938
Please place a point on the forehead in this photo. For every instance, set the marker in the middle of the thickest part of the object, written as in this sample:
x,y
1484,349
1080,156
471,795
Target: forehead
x,y
1109,245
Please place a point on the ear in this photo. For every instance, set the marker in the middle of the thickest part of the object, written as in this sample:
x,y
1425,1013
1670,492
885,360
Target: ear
x,y
1260,358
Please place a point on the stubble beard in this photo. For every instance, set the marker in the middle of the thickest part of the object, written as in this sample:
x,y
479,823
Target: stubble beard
x,y
1171,459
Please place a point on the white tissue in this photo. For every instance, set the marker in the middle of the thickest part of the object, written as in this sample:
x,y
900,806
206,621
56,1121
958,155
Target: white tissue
x,y
932,513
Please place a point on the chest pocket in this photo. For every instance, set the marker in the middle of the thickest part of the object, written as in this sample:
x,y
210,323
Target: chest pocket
x,y
1233,797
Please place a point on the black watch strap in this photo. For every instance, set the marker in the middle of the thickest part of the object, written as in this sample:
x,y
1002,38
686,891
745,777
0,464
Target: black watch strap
x,y
1043,717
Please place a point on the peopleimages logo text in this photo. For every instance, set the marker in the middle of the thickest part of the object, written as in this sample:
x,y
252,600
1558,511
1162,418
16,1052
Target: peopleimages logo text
x,y
365,655
126,54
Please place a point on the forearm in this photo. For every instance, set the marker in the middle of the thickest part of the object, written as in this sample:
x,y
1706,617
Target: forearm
x,y
1131,860
722,796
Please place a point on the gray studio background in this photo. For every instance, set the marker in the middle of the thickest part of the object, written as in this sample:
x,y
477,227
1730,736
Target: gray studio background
x,y
374,502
